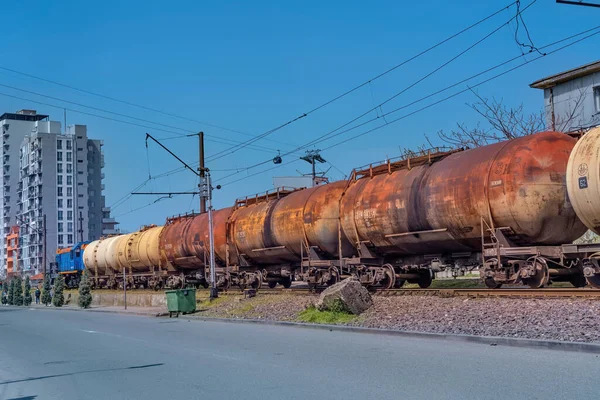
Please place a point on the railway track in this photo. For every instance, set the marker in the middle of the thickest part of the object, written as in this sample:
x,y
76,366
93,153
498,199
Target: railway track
x,y
477,292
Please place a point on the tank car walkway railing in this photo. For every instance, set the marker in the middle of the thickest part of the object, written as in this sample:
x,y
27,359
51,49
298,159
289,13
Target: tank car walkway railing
x,y
387,167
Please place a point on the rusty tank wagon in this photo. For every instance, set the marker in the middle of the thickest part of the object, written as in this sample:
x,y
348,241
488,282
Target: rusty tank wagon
x,y
511,208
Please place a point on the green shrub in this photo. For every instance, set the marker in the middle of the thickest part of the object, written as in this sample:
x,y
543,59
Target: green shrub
x,y
85,292
27,294
46,297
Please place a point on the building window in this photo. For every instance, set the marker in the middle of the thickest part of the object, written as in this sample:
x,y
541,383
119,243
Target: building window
x,y
60,239
59,191
79,137
60,227
59,144
59,168
69,145
69,227
69,156
79,161
69,191
69,168
69,203
69,179
59,179
60,203
80,149
59,156
597,98
70,238
60,215
69,215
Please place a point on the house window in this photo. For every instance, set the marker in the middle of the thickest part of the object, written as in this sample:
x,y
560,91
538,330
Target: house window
x,y
59,156
60,203
60,227
70,238
59,191
69,179
59,179
69,203
69,145
59,144
69,227
59,168
60,239
69,156
597,98
69,191
69,168
60,215
70,215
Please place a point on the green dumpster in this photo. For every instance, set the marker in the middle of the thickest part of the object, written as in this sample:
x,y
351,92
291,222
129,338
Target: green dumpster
x,y
181,301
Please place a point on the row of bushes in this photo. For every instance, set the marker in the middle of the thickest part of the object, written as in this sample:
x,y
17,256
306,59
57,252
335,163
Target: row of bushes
x,y
18,293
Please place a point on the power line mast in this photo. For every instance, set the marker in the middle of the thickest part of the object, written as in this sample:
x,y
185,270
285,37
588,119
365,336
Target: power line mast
x,y
313,157
205,193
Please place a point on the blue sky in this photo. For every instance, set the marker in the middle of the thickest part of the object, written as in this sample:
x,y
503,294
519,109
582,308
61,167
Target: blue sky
x,y
250,66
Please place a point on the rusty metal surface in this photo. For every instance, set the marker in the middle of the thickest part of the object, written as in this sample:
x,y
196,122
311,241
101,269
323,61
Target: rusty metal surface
x,y
321,219
518,184
273,231
196,241
172,243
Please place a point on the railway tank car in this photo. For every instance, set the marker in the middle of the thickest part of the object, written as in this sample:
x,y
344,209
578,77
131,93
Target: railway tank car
x,y
504,207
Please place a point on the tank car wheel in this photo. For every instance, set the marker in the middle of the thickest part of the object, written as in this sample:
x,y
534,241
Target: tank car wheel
x,y
390,277
257,284
541,277
491,283
425,280
287,282
272,284
399,283
594,281
578,281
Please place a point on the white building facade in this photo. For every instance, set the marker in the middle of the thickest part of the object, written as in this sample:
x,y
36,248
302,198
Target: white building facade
x,y
54,175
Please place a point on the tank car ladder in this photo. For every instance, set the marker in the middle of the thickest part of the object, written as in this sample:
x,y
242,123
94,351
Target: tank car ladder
x,y
492,243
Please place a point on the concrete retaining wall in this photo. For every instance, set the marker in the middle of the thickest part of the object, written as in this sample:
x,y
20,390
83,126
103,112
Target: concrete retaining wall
x,y
116,299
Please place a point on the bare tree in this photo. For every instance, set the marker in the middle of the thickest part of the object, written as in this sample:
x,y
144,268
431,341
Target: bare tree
x,y
503,123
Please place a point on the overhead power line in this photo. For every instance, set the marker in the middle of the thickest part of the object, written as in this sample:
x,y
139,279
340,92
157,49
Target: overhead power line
x,y
379,106
596,29
234,149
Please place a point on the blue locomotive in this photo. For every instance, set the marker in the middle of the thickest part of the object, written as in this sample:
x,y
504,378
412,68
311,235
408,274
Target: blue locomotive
x,y
69,263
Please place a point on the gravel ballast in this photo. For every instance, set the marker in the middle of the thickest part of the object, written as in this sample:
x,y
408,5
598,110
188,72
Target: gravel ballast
x,y
576,320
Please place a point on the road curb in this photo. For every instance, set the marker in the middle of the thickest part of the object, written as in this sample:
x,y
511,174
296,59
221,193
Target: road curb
x,y
96,310
489,340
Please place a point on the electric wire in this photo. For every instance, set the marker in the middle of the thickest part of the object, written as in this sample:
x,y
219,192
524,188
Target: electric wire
x,y
234,149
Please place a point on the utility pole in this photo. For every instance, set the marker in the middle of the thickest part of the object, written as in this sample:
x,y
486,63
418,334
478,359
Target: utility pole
x,y
80,226
205,192
124,288
202,170
45,262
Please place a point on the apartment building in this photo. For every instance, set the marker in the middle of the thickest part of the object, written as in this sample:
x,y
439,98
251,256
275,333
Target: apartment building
x,y
53,175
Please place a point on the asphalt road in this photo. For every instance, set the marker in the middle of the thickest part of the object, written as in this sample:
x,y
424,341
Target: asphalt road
x,y
54,354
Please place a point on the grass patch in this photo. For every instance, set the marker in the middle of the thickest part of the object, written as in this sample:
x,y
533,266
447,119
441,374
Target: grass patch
x,y
207,303
312,315
449,284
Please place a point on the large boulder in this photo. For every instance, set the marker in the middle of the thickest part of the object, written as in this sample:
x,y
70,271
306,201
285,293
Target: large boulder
x,y
349,294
